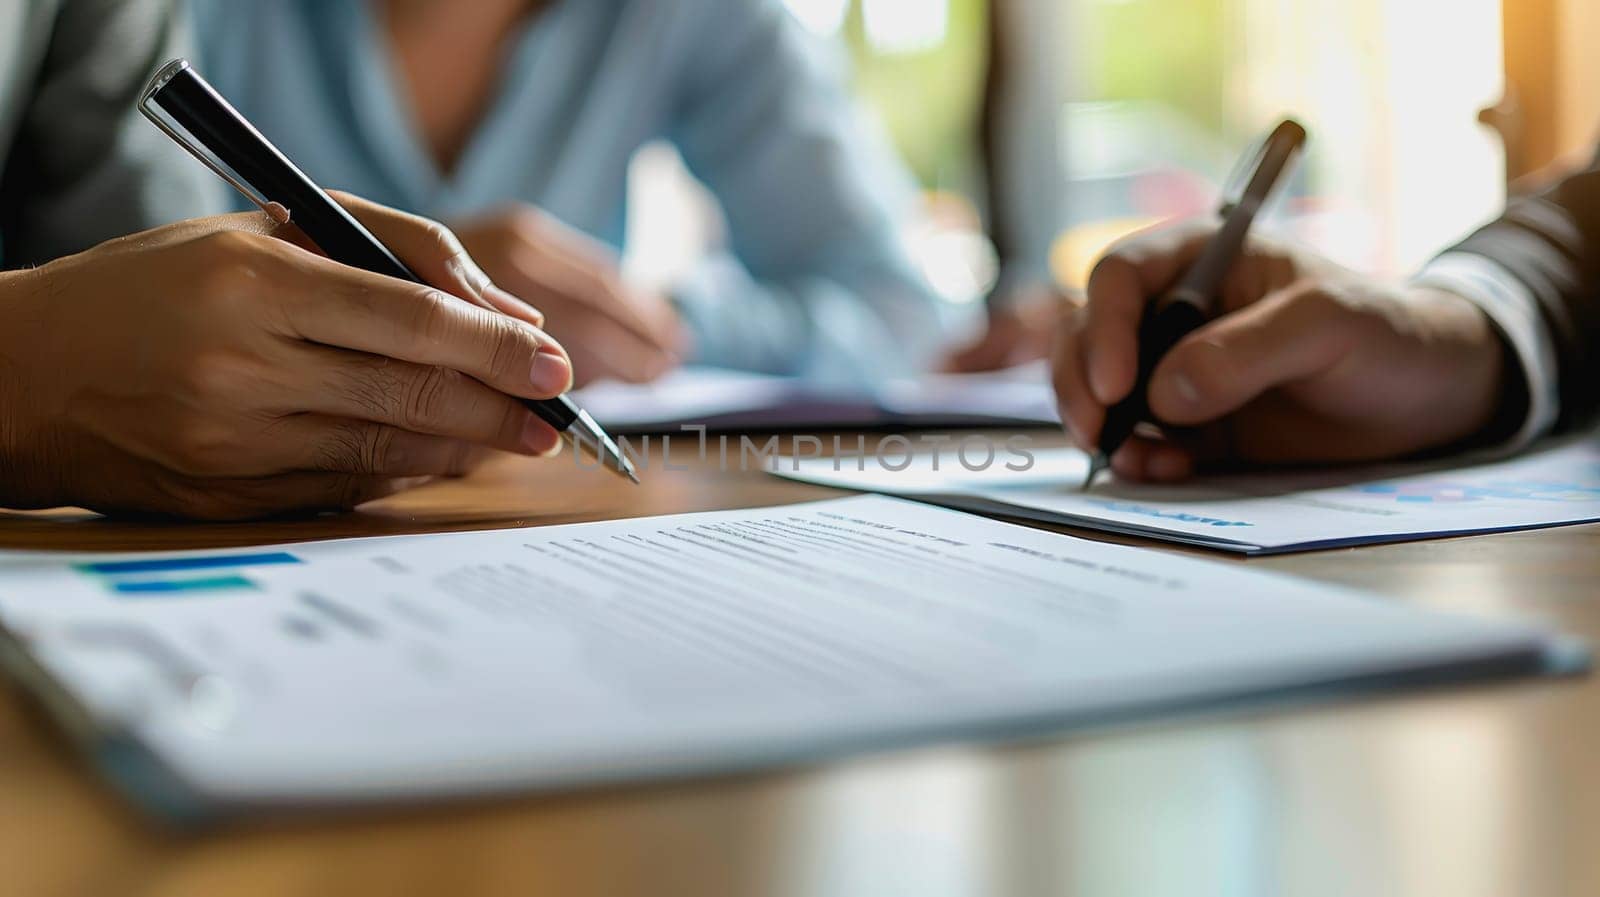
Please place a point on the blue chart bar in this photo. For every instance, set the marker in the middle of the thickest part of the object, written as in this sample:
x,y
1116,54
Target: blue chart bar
x,y
154,587
178,565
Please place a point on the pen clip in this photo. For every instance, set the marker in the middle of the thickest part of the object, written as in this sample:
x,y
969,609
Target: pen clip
x,y
1251,181
159,117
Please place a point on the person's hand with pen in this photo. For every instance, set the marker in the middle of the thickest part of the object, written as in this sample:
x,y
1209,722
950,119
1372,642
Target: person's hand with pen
x,y
214,368
1302,362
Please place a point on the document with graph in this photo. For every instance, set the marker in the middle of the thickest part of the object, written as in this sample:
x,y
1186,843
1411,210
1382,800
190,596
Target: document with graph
x,y
463,664
1253,514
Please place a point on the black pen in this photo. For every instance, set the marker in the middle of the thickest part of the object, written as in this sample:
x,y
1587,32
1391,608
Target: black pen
x,y
191,112
1185,307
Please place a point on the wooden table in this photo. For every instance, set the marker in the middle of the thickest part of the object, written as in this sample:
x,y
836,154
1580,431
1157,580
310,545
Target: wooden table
x,y
1490,791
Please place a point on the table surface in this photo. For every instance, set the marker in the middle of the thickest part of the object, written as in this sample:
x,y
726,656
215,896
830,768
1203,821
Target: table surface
x,y
1491,790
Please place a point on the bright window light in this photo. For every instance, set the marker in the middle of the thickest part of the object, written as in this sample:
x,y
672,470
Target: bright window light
x,y
824,17
906,26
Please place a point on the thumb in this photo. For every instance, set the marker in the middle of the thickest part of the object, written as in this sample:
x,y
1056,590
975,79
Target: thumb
x,y
1288,336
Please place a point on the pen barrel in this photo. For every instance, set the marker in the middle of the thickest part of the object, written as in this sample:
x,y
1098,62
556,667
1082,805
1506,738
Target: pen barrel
x,y
1202,281
1161,329
193,104
560,412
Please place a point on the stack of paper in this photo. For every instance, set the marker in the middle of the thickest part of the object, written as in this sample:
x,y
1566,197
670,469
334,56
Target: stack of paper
x,y
730,400
473,663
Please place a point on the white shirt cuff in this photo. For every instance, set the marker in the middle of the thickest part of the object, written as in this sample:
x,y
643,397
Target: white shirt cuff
x,y
1513,308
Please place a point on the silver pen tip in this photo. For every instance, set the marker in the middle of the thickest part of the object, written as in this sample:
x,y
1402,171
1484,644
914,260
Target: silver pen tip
x,y
588,436
621,462
1097,462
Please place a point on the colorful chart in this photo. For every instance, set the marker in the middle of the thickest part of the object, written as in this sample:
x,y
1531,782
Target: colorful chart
x,y
181,577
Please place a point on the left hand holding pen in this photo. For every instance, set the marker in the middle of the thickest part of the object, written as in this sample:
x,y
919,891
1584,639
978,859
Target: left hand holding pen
x,y
610,329
1306,362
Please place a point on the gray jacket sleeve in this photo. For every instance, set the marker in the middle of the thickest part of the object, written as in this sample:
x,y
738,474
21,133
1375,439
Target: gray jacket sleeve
x,y
85,166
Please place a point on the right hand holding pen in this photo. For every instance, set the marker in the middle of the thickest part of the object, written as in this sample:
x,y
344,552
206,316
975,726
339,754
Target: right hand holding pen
x,y
1306,362
209,369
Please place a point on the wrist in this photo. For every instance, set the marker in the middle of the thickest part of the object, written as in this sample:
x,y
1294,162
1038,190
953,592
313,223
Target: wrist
x,y
24,482
1489,385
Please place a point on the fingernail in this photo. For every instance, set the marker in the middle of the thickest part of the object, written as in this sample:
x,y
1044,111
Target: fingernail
x,y
1097,384
552,373
1183,387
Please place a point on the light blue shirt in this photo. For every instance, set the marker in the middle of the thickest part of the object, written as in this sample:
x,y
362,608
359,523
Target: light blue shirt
x,y
816,282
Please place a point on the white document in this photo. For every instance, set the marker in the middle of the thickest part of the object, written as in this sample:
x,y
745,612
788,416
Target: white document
x,y
537,658
1253,514
724,399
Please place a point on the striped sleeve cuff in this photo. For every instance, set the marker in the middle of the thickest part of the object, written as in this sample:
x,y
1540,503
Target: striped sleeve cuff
x,y
1515,311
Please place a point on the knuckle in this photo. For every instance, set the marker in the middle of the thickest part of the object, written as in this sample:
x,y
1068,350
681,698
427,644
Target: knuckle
x,y
355,448
212,373
339,449
1114,265
231,261
432,318
379,449
440,239
202,447
426,398
231,375
370,386
511,349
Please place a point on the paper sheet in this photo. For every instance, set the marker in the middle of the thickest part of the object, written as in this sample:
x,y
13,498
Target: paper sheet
x,y
1252,514
723,399
535,658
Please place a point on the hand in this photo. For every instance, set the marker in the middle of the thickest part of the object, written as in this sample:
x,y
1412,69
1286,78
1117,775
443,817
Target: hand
x,y
612,330
1020,330
1307,362
210,369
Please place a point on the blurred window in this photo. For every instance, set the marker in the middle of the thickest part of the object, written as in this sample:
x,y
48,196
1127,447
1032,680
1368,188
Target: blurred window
x,y
1167,92
1164,94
